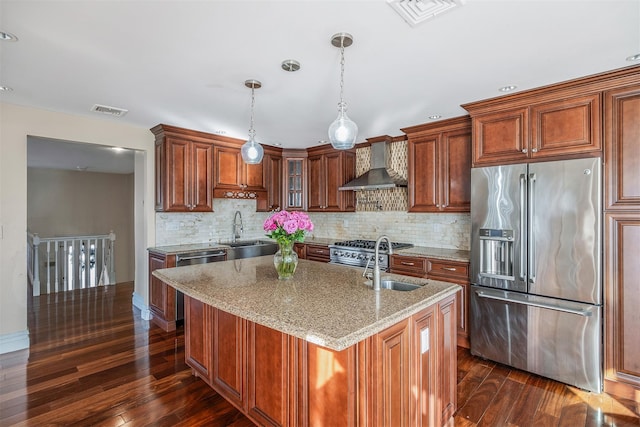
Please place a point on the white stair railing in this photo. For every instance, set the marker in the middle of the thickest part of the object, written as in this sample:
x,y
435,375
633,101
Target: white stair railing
x,y
58,264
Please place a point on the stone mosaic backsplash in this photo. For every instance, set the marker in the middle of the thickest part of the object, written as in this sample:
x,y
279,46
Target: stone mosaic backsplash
x,y
438,230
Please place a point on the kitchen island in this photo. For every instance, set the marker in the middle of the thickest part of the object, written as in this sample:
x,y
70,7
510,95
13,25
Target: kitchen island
x,y
322,348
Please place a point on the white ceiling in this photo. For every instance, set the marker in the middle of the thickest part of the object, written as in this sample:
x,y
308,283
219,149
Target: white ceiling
x,y
184,63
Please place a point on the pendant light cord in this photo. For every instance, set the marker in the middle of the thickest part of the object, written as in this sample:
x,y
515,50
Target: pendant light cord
x,y
252,132
342,103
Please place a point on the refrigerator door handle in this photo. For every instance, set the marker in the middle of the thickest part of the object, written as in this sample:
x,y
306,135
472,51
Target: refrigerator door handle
x,y
523,222
530,241
584,313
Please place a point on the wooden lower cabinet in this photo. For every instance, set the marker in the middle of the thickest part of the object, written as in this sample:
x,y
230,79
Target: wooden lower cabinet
x,y
320,253
162,297
405,375
439,269
197,341
229,365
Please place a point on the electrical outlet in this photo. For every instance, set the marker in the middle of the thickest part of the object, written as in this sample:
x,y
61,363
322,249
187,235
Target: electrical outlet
x,y
424,340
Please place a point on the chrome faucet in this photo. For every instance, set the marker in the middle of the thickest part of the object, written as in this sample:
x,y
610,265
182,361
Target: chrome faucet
x,y
237,226
376,266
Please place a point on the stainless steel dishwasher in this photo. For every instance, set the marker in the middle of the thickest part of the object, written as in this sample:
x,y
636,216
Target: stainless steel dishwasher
x,y
193,258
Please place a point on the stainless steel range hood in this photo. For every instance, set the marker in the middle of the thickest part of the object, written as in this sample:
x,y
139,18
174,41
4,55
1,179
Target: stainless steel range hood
x,y
379,176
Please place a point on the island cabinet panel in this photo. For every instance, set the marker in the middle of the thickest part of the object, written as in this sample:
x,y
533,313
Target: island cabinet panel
x,y
422,402
197,345
162,297
229,361
439,166
391,362
447,359
327,386
404,375
268,372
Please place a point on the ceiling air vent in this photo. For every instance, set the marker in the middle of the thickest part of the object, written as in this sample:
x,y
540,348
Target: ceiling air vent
x,y
105,109
417,11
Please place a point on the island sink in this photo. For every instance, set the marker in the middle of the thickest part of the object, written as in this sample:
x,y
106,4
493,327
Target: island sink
x,y
395,285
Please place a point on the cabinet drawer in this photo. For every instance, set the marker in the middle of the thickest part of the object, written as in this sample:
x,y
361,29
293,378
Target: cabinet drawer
x,y
448,270
318,253
413,266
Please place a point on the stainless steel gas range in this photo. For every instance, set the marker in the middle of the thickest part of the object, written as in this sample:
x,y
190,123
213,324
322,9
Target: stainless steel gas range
x,y
358,252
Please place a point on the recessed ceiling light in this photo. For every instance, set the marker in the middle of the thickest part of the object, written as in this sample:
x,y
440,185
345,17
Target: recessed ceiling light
x,y
323,141
8,37
220,132
508,88
435,116
277,144
290,65
5,89
82,168
635,57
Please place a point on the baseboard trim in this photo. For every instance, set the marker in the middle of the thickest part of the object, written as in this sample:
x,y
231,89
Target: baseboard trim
x,y
14,341
138,302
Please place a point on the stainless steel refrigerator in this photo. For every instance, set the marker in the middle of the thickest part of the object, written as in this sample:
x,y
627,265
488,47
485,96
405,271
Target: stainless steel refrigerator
x,y
536,294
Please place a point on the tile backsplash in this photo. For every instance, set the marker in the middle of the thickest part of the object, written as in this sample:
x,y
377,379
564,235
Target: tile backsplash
x,y
437,230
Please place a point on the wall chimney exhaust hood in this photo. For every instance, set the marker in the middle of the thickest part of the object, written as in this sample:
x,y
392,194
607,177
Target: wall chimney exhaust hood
x,y
379,176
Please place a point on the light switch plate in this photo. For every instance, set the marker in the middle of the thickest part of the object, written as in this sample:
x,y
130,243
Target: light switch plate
x,y
424,340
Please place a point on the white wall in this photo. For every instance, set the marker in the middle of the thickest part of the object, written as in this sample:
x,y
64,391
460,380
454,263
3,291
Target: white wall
x,y
16,123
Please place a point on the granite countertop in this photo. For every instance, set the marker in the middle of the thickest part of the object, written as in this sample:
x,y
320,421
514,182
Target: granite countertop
x,y
440,253
329,305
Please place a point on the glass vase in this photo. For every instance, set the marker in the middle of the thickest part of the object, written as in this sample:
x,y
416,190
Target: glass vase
x,y
285,260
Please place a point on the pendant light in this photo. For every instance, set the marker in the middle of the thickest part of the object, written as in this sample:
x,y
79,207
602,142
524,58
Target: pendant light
x,y
343,131
252,152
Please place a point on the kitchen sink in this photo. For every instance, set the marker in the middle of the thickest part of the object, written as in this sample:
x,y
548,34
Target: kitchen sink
x,y
251,248
395,285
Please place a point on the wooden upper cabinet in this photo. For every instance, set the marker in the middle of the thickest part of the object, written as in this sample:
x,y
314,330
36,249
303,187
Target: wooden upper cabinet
x,y
440,166
184,172
295,183
233,174
542,124
565,127
272,168
501,137
329,169
622,154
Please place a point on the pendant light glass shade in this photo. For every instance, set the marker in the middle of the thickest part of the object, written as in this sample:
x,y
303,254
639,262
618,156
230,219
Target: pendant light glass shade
x,y
251,151
343,131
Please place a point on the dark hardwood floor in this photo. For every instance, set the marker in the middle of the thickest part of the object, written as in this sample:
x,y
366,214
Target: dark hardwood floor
x,y
94,362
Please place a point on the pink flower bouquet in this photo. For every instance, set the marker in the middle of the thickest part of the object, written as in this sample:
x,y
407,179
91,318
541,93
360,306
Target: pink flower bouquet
x,y
288,227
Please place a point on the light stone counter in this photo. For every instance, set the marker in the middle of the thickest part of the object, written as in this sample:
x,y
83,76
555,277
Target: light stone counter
x,y
326,304
440,253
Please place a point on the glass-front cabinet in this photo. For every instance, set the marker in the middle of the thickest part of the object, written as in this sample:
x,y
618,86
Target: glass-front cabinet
x,y
295,183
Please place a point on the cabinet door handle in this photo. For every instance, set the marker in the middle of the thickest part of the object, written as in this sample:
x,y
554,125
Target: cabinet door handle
x,y
449,268
407,263
534,150
524,150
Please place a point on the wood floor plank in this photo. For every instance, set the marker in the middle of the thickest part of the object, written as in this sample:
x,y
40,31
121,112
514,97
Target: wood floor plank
x,y
94,362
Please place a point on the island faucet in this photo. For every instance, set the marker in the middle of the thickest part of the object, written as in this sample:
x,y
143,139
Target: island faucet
x,y
237,226
376,266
